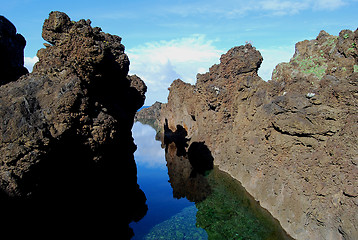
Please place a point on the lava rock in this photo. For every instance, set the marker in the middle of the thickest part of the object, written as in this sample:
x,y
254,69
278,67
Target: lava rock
x,y
65,135
291,141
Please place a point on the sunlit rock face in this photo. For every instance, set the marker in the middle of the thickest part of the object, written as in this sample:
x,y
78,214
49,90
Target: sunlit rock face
x,y
291,141
66,144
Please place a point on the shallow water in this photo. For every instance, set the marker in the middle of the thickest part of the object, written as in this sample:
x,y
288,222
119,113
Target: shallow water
x,y
183,204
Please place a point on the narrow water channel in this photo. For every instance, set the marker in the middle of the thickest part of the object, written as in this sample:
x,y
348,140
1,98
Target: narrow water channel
x,y
185,204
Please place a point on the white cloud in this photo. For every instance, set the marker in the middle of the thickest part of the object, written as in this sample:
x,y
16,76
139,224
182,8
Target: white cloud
x,y
149,151
240,8
30,62
278,7
328,4
160,63
289,7
272,57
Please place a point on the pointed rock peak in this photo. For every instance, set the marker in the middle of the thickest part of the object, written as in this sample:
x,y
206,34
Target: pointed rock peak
x,y
323,34
6,27
241,59
54,26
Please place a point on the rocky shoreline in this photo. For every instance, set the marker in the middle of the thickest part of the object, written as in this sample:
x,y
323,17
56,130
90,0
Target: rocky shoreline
x,y
292,141
66,145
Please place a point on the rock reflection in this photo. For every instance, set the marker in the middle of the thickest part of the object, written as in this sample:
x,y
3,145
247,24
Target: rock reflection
x,y
186,181
187,166
178,137
225,209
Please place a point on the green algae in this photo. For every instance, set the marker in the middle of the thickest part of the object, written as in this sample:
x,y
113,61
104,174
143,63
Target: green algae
x,y
355,67
311,65
231,213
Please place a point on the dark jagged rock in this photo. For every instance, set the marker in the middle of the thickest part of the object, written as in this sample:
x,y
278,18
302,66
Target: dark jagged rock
x,y
66,145
12,47
291,141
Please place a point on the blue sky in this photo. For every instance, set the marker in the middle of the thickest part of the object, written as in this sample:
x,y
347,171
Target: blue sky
x,y
168,39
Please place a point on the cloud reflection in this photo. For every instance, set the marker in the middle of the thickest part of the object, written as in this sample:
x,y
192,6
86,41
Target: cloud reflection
x,y
149,152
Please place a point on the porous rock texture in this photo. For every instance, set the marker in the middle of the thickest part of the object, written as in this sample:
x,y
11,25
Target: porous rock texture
x,y
292,141
66,146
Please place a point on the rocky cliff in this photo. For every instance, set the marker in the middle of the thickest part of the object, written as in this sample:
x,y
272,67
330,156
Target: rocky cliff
x,y
292,141
66,146
12,46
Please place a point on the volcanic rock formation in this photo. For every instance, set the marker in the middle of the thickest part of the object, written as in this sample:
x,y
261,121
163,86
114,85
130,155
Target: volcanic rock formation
x,y
292,141
12,47
66,146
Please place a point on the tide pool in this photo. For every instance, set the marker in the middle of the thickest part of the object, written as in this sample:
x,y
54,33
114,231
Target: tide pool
x,y
185,204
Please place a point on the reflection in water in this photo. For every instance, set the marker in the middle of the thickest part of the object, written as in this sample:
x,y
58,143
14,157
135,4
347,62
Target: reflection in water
x,y
185,184
186,168
178,137
219,204
153,180
149,152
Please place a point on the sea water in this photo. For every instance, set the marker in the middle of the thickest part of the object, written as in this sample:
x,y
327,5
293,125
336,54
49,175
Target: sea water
x,y
182,205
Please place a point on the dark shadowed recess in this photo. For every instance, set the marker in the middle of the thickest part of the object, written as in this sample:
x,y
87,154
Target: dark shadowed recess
x,y
70,194
185,179
200,158
187,165
88,199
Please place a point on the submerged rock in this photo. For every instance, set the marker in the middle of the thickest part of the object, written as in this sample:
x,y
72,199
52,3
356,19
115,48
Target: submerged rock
x,y
291,141
66,146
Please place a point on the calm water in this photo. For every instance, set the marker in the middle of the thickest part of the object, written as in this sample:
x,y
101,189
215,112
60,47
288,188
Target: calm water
x,y
183,204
